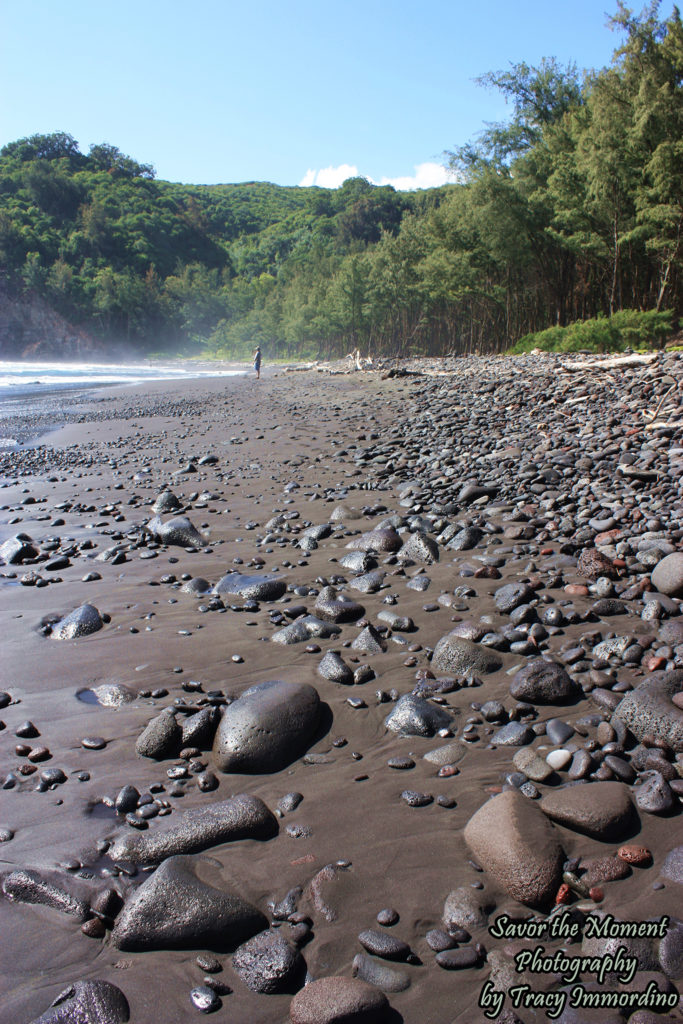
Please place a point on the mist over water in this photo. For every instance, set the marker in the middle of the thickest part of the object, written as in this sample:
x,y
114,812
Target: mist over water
x,y
28,388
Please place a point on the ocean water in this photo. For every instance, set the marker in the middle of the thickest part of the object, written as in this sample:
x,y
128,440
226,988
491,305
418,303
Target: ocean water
x,y
23,378
27,386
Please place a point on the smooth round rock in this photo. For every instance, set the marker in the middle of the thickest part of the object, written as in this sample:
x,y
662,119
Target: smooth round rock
x,y
558,732
466,908
266,728
127,799
457,959
333,606
174,909
387,917
256,588
93,743
413,716
289,802
165,503
633,854
667,577
672,868
161,737
455,654
380,540
26,886
79,623
267,962
559,759
648,710
510,596
514,734
196,587
543,682
512,839
87,1002
654,795
383,944
339,1001
386,978
532,764
178,531
438,940
420,548
204,999
335,670
600,809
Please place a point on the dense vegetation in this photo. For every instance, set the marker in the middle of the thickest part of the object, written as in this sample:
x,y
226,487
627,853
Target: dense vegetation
x,y
571,210
628,328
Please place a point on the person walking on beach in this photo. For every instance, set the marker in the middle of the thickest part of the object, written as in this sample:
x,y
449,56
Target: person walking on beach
x,y
257,361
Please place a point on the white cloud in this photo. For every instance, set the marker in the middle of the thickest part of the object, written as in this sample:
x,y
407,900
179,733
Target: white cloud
x,y
329,177
427,175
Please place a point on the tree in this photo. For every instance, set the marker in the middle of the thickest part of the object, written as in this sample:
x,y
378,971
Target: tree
x,y
653,64
105,157
56,146
541,96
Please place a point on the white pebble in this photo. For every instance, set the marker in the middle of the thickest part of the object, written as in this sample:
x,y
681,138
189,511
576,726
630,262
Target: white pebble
x,y
558,759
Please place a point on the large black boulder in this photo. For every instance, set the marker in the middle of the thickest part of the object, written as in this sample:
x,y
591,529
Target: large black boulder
x,y
266,728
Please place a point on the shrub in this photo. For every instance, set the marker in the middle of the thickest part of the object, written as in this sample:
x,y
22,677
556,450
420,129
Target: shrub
x,y
629,328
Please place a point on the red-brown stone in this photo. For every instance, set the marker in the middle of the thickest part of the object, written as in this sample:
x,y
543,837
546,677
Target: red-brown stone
x,y
634,854
592,564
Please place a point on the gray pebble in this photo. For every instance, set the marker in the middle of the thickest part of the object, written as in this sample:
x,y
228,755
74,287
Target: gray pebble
x,y
204,999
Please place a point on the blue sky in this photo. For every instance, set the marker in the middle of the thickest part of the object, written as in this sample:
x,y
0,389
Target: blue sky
x,y
289,91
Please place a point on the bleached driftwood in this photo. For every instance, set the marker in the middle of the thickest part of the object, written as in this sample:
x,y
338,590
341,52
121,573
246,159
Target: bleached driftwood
x,y
611,362
664,425
357,362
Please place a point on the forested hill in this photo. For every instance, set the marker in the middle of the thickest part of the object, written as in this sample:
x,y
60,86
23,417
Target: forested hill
x,y
570,210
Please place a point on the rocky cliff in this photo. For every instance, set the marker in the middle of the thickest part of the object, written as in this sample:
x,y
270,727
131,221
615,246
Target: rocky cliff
x,y
31,329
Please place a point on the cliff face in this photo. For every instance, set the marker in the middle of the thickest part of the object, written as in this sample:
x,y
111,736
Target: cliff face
x,y
31,329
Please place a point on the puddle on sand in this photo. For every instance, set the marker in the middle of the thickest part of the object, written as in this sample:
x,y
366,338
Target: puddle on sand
x,y
102,811
109,695
87,696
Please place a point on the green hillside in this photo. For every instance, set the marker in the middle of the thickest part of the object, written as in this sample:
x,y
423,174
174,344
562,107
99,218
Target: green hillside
x,y
571,210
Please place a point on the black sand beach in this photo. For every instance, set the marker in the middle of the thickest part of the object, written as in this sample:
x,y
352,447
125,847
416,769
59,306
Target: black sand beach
x,y
516,527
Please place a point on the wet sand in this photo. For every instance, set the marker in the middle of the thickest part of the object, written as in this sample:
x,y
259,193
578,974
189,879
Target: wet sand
x,y
289,443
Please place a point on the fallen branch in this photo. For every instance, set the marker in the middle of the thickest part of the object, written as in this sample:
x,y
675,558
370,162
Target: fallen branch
x,y
666,395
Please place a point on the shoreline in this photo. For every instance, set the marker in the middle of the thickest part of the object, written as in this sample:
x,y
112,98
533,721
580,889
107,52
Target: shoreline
x,y
497,455
26,412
